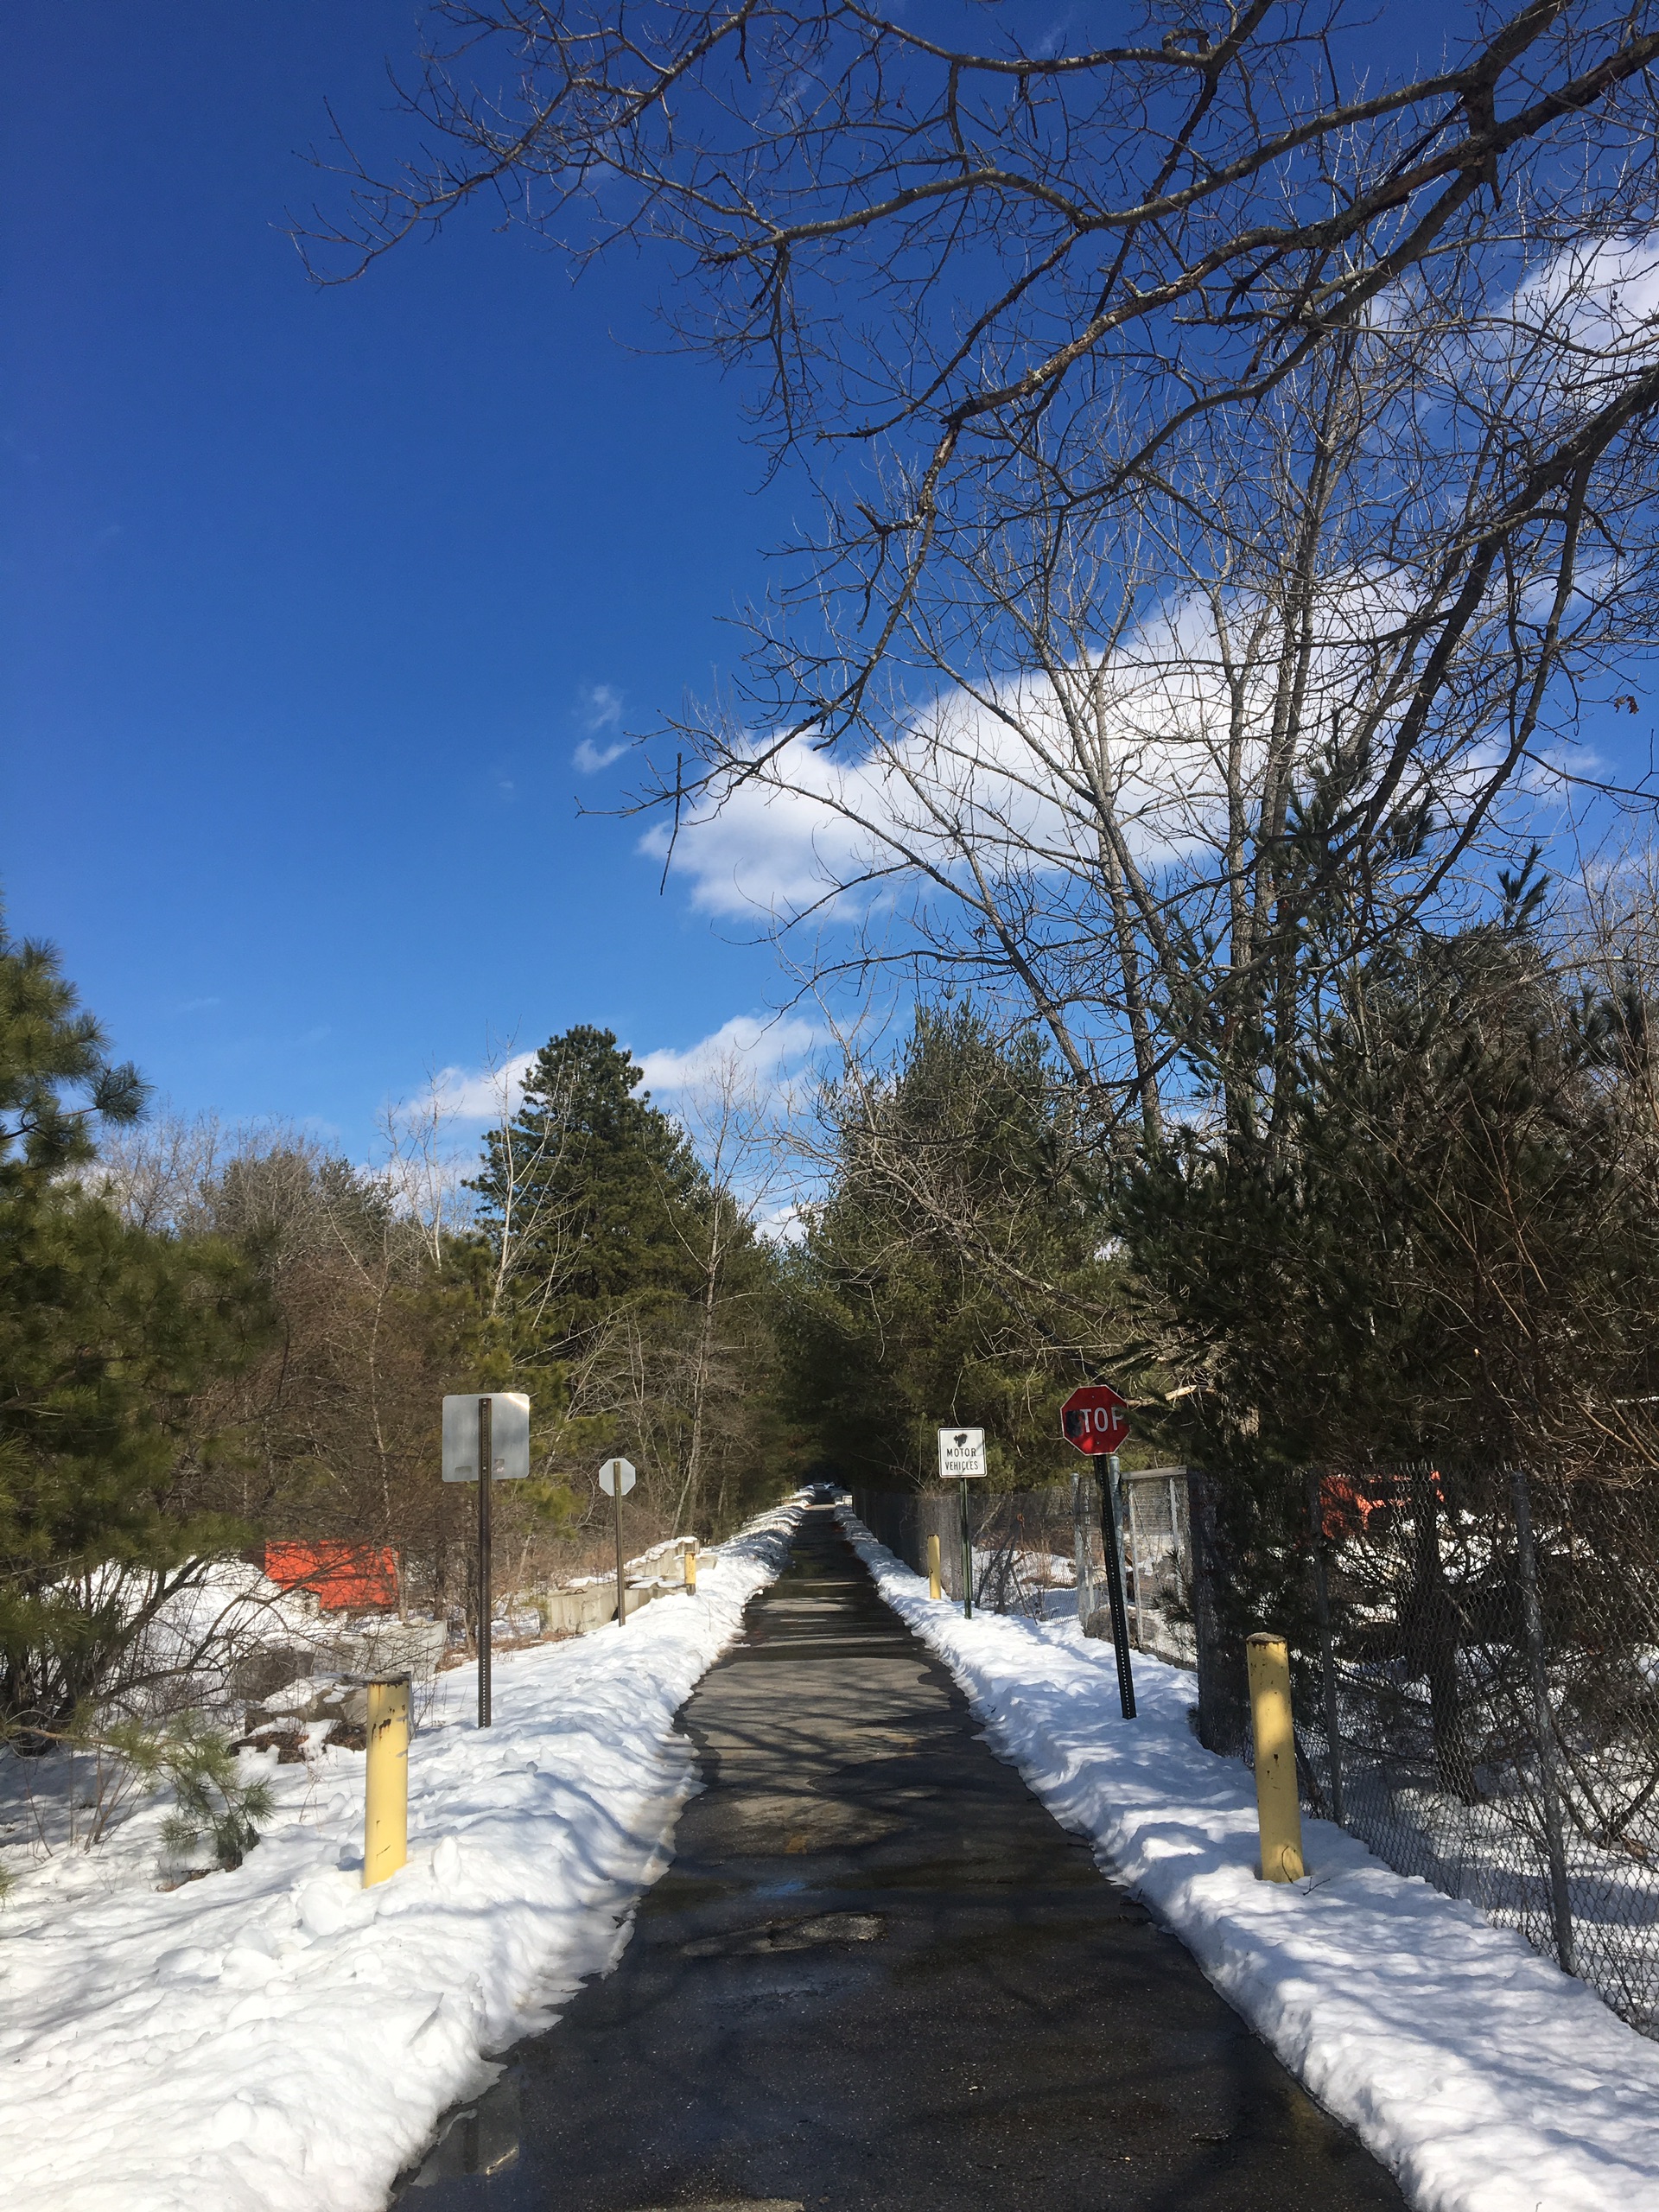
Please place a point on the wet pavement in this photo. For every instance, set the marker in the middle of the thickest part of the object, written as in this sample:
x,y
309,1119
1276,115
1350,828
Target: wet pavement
x,y
878,1974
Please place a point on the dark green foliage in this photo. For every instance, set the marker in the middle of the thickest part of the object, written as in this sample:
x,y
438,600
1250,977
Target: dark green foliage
x,y
213,1803
624,1287
956,1270
107,1335
1447,1247
48,1046
587,1190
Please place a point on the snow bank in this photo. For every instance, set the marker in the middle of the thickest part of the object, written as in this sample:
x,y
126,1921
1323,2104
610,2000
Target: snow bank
x,y
1483,2078
281,2038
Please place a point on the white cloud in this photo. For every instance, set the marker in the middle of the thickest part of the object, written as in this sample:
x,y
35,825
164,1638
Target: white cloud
x,y
602,709
482,1094
1005,780
764,1051
591,758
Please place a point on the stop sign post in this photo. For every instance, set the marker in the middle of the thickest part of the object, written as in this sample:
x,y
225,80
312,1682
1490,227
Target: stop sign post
x,y
1096,1420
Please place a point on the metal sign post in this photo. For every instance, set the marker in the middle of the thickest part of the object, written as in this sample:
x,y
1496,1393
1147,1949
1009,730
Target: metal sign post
x,y
487,1435
485,1596
616,1479
1096,1420
1114,1549
962,1460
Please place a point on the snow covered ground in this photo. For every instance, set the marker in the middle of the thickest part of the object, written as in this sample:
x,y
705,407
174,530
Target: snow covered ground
x,y
279,2039
1483,2078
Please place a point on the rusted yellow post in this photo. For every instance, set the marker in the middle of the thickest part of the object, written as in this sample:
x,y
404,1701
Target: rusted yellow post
x,y
934,1587
691,1566
385,1810
1278,1807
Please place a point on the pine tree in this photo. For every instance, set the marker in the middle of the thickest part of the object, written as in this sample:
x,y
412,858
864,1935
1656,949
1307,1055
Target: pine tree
x,y
581,1191
954,1271
106,1334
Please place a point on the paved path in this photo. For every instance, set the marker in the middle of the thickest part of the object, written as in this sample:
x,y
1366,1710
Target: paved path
x,y
877,1974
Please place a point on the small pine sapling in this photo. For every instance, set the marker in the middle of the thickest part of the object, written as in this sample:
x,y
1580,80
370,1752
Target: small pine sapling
x,y
213,1803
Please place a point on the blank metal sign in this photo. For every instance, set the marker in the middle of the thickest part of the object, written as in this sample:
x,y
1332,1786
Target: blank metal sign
x,y
509,1436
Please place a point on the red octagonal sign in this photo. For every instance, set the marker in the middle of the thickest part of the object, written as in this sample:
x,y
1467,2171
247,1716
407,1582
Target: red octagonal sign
x,y
1095,1419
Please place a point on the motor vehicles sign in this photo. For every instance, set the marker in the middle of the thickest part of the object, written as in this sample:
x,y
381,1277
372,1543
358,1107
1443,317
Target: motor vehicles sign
x,y
1095,1419
961,1454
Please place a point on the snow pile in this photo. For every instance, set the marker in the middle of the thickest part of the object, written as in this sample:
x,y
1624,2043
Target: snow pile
x,y
282,2037
1483,2078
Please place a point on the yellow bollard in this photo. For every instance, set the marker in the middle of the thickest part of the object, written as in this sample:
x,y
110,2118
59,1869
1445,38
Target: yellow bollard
x,y
692,1568
934,1587
1278,1808
385,1806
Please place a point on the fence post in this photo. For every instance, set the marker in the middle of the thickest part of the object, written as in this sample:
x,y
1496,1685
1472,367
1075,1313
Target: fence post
x,y
1278,1806
1134,1569
1175,1539
1327,1659
1082,1550
1532,1614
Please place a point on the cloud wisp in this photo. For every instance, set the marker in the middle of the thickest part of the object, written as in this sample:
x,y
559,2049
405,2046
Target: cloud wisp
x,y
602,712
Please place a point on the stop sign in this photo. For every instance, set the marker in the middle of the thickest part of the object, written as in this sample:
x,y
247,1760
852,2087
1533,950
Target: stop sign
x,y
1095,1419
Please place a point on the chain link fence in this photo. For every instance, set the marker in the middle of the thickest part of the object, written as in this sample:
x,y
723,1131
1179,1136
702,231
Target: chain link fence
x,y
1476,1675
1039,1552
1023,1541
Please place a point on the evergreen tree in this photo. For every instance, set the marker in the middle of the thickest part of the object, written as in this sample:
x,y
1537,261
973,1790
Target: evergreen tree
x,y
626,1290
583,1194
106,1336
955,1270
1449,1247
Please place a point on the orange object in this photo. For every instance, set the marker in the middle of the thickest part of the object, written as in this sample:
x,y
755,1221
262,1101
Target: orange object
x,y
1348,1502
342,1578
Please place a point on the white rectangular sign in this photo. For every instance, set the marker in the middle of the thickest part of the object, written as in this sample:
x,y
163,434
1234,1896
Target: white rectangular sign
x,y
509,1436
961,1454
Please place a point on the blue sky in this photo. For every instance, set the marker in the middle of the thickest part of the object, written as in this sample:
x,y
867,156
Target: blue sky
x,y
309,599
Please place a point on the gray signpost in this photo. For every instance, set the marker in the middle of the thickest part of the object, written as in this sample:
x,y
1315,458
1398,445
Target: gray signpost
x,y
616,1479
490,1431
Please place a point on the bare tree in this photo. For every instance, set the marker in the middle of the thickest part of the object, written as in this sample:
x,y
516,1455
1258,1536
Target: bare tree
x,y
1233,453
1158,786
731,1114
933,248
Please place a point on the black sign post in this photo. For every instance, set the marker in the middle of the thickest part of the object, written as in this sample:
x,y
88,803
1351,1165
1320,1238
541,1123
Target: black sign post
x,y
486,1606
1114,1549
1094,1420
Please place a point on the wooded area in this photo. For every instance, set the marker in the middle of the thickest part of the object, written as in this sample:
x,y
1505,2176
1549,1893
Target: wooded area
x,y
1236,478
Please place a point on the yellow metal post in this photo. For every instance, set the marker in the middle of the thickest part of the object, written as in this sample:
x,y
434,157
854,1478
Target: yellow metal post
x,y
1278,1807
386,1811
934,1588
692,1568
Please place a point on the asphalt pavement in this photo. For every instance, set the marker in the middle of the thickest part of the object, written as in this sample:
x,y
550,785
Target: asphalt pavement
x,y
877,1974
